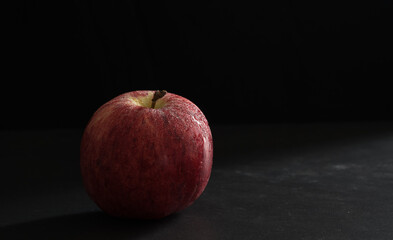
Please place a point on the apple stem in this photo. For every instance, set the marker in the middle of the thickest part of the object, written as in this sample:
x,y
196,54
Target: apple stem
x,y
157,95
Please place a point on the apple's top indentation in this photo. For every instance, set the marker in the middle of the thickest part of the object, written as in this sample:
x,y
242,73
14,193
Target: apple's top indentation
x,y
147,100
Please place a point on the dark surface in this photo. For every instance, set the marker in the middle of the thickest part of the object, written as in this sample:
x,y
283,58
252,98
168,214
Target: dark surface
x,y
320,181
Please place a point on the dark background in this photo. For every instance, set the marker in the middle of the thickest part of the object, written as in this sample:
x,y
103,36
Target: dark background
x,y
257,69
239,61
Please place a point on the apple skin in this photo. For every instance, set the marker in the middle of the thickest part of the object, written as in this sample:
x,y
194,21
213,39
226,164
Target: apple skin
x,y
140,162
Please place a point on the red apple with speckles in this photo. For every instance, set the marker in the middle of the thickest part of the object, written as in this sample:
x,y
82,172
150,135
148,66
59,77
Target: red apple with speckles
x,y
146,154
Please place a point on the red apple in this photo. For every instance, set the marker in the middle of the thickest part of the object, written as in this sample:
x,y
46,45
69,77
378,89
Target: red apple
x,y
146,154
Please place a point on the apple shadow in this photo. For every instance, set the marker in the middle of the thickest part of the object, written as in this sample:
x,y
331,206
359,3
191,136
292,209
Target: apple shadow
x,y
89,225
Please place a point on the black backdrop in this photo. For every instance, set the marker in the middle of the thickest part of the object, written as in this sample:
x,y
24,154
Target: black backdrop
x,y
239,61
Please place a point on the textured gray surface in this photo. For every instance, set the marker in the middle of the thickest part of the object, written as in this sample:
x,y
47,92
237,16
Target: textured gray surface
x,y
320,181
